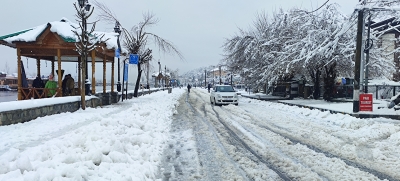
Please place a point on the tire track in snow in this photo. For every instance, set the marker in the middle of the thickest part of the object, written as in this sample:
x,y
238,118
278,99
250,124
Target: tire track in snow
x,y
315,149
260,158
208,159
236,141
363,168
295,141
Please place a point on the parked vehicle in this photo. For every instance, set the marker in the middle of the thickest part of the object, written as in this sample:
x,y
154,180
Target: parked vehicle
x,y
223,95
5,88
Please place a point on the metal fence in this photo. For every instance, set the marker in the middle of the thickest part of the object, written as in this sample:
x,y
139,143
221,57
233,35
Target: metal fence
x,y
340,91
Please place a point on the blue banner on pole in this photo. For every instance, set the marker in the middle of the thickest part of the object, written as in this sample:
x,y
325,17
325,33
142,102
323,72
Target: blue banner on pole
x,y
126,72
117,54
133,59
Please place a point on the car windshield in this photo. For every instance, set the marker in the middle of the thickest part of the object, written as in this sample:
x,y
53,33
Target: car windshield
x,y
225,89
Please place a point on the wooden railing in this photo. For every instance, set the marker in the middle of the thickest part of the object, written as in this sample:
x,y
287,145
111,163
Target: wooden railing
x,y
38,93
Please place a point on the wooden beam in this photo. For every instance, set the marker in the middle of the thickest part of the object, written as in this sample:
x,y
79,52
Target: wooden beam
x,y
109,54
104,74
38,67
19,74
36,51
112,76
59,71
93,72
64,46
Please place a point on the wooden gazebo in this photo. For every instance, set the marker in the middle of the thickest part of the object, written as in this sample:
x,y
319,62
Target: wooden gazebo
x,y
55,42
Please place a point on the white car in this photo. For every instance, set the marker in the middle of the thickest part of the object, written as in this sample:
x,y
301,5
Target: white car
x,y
224,94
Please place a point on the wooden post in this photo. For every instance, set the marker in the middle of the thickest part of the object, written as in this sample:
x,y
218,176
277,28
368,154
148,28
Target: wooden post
x,y
112,76
59,71
19,74
79,74
104,74
52,67
93,72
38,66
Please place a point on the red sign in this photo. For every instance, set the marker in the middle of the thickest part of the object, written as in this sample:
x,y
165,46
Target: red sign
x,y
366,102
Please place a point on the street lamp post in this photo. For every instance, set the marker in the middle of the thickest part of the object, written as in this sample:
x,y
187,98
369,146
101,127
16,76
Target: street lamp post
x,y
205,78
159,72
118,30
213,75
232,79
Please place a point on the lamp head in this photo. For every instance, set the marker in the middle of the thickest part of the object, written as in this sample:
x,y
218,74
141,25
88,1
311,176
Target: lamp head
x,y
81,3
87,7
116,28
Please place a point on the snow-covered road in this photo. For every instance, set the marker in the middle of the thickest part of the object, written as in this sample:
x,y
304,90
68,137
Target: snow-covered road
x,y
181,136
269,141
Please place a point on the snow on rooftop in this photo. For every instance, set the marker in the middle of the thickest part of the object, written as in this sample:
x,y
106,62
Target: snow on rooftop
x,y
28,36
64,28
111,38
383,81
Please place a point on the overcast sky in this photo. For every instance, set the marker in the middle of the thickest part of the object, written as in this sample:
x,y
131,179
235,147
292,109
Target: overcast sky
x,y
197,27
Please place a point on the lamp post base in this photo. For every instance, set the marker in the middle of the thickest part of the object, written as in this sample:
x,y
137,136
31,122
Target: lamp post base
x,y
119,87
87,88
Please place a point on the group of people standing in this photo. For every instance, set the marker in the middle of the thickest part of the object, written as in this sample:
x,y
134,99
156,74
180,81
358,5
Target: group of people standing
x,y
189,87
68,85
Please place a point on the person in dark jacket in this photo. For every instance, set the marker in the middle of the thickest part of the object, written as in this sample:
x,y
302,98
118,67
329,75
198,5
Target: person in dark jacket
x,y
38,83
70,86
188,87
209,87
64,85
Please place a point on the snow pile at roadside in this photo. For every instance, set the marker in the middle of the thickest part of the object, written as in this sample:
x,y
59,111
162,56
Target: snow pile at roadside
x,y
370,142
111,143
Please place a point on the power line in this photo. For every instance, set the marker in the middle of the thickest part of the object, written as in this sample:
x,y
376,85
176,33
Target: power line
x,y
319,7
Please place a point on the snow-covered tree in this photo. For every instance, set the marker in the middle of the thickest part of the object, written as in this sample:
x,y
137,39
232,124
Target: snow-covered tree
x,y
292,42
136,40
86,41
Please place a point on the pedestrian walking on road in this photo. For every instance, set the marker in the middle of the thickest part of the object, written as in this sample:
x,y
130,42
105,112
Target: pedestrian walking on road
x,y
188,87
209,87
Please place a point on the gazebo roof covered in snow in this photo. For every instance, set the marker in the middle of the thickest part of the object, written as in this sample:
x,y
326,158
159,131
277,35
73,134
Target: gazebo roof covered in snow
x,y
42,42
56,42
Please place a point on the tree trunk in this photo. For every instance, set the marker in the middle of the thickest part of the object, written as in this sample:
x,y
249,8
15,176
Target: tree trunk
x,y
317,92
83,101
329,82
135,93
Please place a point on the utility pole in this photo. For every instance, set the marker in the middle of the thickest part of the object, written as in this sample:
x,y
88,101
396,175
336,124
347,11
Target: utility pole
x,y
356,93
205,78
148,73
220,79
213,75
368,46
231,79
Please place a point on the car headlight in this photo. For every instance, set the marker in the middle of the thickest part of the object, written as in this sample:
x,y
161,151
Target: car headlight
x,y
219,96
235,96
